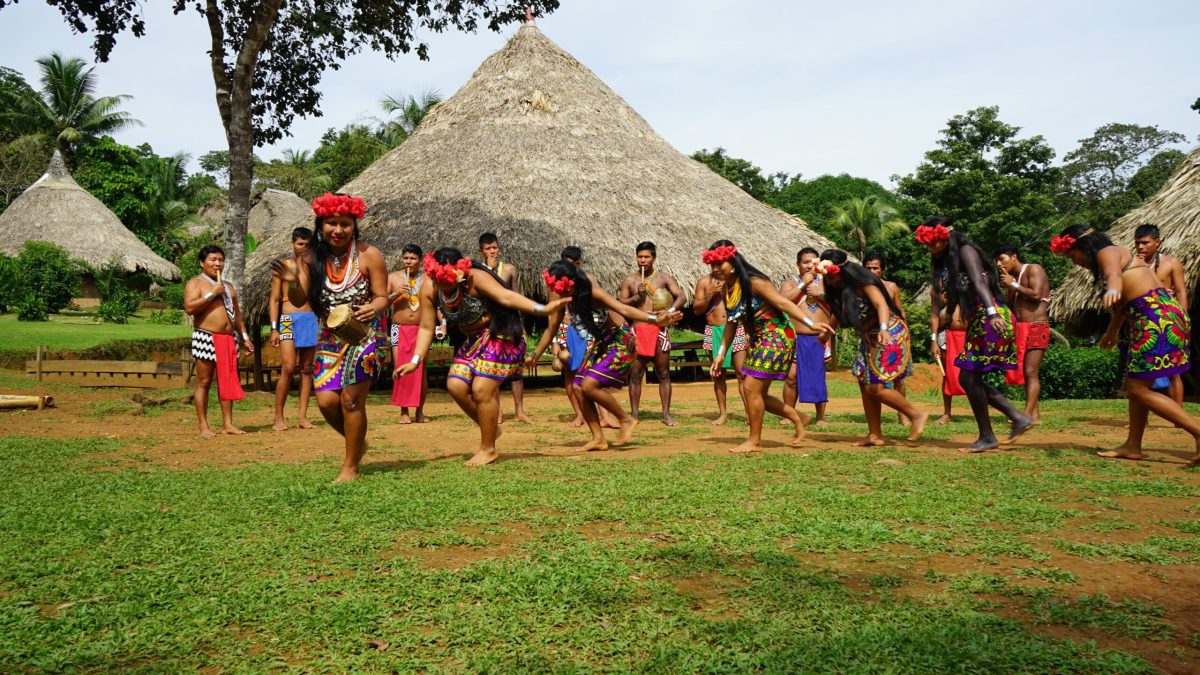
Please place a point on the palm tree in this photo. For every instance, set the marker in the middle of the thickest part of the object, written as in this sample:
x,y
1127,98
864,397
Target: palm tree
x,y
410,110
66,112
862,221
299,159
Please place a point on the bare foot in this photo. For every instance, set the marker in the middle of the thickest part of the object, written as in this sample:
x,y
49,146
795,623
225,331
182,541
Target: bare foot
x,y
720,421
820,423
405,419
523,419
576,423
305,424
207,433
980,446
594,445
903,420
918,426
944,419
280,425
483,457
1019,427
747,447
608,423
869,441
626,431
668,421
785,422
1122,451
232,431
422,418
1195,461
798,437
346,476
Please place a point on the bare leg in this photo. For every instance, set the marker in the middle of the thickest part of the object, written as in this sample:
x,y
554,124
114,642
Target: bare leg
x,y
1177,389
1143,400
1033,385
460,391
574,397
777,407
421,418
204,379
662,371
484,393
721,389
947,401
790,392
820,410
607,402
754,392
330,404
591,417
306,385
404,418
287,369
518,391
874,414
636,372
227,419
352,401
901,416
977,396
895,399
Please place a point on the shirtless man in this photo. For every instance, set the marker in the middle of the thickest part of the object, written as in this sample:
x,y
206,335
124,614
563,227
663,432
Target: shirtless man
x,y
651,291
948,334
213,306
489,249
874,262
807,290
1028,291
294,334
404,296
1147,239
709,301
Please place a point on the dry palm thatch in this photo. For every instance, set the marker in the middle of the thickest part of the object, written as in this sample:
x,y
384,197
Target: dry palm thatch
x,y
272,211
57,210
535,148
1175,209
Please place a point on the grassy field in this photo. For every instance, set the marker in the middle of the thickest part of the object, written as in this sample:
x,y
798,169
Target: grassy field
x,y
811,560
79,332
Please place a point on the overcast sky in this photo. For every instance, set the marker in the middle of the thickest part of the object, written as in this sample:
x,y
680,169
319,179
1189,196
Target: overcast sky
x,y
859,87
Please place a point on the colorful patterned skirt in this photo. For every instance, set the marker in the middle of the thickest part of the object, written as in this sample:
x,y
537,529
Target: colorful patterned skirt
x,y
609,358
489,356
339,364
986,349
1155,336
771,349
884,364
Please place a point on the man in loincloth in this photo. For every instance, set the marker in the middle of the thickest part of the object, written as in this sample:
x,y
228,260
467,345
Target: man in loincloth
x,y
294,333
709,301
805,381
874,262
404,295
489,250
1148,239
651,291
1028,291
948,332
212,304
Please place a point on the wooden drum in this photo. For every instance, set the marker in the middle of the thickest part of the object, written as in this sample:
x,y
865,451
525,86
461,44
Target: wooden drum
x,y
343,324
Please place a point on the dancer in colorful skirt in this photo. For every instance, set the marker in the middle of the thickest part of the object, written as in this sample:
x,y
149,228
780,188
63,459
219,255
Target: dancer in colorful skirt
x,y
959,269
404,295
708,301
510,274
752,301
651,290
607,363
858,299
805,381
1150,323
873,261
294,334
343,270
471,297
1147,239
1028,290
570,346
213,306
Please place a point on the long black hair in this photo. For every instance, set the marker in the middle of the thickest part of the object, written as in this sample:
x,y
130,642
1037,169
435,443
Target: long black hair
x,y
581,297
947,272
1089,242
316,262
505,322
847,305
744,272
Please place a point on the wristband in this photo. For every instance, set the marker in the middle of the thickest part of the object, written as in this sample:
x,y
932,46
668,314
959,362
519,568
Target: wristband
x,y
720,353
1112,291
991,311
883,328
808,322
539,308
416,360
275,327
653,317
245,335
1014,285
208,295
933,338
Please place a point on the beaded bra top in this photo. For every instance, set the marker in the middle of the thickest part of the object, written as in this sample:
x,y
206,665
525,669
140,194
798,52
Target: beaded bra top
x,y
467,311
358,292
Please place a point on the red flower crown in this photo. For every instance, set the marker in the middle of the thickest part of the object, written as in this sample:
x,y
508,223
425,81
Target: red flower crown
x,y
828,268
562,285
718,255
330,204
927,235
1060,245
450,273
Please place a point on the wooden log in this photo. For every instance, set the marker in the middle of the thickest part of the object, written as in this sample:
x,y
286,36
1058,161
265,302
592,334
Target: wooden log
x,y
12,402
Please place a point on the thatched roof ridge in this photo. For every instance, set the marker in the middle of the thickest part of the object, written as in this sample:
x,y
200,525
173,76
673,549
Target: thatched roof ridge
x,y
271,211
1175,209
535,148
57,210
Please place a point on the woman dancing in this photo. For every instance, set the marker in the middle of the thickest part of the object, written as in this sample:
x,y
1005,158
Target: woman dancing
x,y
1149,322
343,270
858,299
483,307
608,360
752,301
959,269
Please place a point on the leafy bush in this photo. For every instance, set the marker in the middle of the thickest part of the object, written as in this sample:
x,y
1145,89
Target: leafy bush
x,y
117,301
1083,372
169,317
118,310
9,295
172,296
917,315
45,271
32,308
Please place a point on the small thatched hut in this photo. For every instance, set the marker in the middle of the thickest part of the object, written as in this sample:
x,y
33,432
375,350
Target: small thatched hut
x,y
271,211
535,148
1175,209
57,210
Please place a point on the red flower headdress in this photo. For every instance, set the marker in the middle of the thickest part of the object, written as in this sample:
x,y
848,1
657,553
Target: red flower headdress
x,y
448,273
330,204
718,255
562,285
828,268
1060,245
927,235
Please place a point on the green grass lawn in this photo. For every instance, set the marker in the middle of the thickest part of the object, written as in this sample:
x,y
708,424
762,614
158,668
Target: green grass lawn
x,y
677,564
79,332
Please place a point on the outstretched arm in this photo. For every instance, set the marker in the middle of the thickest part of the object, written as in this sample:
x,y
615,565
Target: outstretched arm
x,y
555,319
664,318
805,323
487,285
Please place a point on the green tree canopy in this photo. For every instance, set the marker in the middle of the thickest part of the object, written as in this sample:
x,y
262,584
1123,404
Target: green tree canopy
x,y
344,153
814,200
860,223
743,174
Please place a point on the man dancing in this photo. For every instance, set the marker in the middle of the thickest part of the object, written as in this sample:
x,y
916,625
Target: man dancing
x,y
651,291
489,249
294,333
1028,290
404,295
1148,239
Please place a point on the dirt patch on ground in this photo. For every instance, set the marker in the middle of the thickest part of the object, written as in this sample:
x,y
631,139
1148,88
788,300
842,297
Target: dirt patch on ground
x,y
482,543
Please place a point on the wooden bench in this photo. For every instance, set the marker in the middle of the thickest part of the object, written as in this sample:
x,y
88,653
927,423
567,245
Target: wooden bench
x,y
142,374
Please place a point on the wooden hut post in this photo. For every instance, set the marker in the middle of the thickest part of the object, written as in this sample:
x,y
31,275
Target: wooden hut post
x,y
41,353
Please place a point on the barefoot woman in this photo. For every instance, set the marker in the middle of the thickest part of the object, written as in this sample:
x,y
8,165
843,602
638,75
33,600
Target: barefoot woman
x,y
1152,325
959,269
608,361
858,299
344,271
473,298
752,301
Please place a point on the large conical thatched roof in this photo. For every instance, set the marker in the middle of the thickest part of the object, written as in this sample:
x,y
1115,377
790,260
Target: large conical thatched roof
x,y
272,211
57,210
1175,209
535,148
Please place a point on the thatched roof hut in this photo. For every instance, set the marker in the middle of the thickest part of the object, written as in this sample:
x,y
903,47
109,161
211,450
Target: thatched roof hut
x,y
271,211
535,148
57,210
1175,209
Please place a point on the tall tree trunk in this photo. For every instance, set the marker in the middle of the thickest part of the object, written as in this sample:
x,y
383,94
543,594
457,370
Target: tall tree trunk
x,y
241,177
